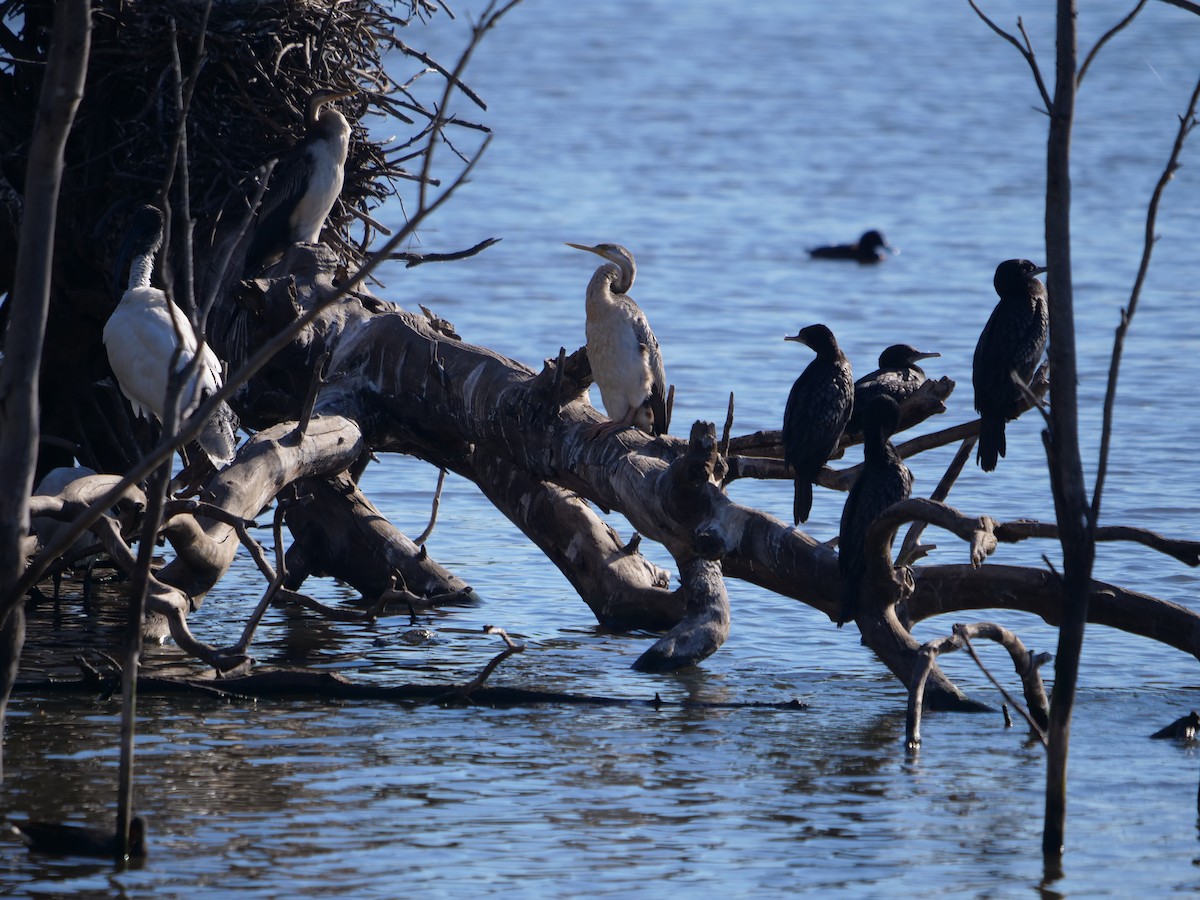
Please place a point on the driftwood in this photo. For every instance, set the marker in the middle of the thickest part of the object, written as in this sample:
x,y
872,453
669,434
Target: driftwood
x,y
364,376
397,382
284,683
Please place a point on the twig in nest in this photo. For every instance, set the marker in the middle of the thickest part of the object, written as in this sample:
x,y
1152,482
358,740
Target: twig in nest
x,y
363,217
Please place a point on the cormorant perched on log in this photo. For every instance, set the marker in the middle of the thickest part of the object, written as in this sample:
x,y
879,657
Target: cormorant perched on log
x,y
898,376
871,248
883,480
817,410
1011,344
141,338
78,840
626,363
304,184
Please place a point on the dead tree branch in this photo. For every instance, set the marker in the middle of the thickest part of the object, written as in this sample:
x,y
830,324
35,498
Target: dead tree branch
x,y
1187,122
1026,664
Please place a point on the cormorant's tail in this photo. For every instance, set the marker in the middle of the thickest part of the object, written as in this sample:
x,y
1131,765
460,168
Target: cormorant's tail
x,y
802,500
849,607
991,442
218,440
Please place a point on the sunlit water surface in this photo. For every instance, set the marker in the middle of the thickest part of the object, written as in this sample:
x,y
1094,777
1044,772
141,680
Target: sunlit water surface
x,y
716,141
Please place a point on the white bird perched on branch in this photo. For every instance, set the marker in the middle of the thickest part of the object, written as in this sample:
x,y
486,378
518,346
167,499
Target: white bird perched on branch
x,y
304,185
626,363
142,337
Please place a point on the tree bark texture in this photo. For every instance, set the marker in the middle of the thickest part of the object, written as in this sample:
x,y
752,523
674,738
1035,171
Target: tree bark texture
x,y
62,90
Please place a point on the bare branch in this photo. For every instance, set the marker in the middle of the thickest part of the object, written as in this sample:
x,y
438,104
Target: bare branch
x,y
1025,50
1186,123
1108,35
1026,664
412,259
1190,6
437,501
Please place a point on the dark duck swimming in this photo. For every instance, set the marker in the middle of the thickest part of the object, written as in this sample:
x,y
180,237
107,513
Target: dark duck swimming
x,y
871,248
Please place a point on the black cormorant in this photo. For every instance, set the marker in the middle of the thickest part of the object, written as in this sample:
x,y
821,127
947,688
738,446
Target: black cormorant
x,y
883,480
1011,342
142,336
78,840
898,376
627,365
304,184
871,248
817,410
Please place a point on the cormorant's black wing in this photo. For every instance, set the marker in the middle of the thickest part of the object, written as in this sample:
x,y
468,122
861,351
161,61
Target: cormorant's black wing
x,y
272,230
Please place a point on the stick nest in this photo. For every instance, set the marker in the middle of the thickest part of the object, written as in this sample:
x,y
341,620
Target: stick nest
x,y
255,63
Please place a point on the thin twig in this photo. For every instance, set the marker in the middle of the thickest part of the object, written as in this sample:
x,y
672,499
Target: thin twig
x,y
1037,729
1186,123
437,502
1026,50
412,259
1108,35
462,694
940,493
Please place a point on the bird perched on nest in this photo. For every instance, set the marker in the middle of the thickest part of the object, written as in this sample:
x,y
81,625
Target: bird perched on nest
x,y
626,363
883,480
871,248
304,184
78,840
898,376
817,410
1011,344
142,337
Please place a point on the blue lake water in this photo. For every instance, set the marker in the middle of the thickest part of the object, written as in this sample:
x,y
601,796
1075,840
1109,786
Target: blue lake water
x,y
717,142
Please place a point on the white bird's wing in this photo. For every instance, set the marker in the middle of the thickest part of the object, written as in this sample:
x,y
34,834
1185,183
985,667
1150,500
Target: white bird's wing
x,y
141,337
218,440
140,340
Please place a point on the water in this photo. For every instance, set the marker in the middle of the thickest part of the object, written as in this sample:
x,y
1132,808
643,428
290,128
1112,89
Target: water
x,y
717,143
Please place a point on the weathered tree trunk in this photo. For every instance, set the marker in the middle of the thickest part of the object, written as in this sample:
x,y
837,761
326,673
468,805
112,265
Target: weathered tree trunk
x,y
62,90
1071,505
339,532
